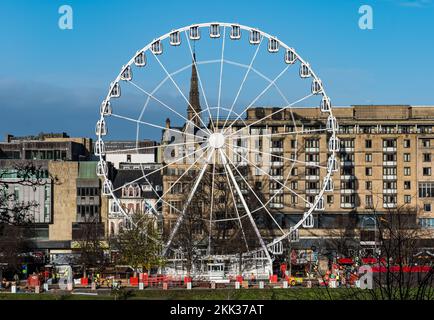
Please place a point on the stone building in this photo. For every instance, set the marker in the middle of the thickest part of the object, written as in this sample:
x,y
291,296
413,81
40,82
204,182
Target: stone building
x,y
131,152
136,194
77,201
384,162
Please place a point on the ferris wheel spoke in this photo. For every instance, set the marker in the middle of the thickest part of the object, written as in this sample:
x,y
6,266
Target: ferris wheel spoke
x,y
182,94
236,210
161,168
243,201
221,74
212,204
271,177
182,175
254,193
154,125
258,97
199,78
242,83
187,203
273,113
164,104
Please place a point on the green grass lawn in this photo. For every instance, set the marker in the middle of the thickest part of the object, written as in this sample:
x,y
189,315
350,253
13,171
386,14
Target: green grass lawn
x,y
198,294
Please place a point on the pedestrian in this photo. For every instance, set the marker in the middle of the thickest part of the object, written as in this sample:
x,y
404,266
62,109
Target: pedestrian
x,y
16,279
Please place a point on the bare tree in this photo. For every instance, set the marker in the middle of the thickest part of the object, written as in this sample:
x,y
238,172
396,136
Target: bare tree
x,y
402,275
91,246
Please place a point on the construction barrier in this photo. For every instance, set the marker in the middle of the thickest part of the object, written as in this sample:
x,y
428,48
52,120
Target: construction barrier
x,y
273,278
33,281
84,281
239,279
134,281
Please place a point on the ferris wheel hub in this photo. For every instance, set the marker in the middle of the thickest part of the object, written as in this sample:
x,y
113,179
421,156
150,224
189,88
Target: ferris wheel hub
x,y
216,140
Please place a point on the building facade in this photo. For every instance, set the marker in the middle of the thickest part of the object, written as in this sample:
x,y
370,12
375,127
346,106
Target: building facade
x,y
384,163
131,152
136,194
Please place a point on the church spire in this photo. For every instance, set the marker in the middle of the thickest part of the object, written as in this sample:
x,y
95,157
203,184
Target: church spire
x,y
194,109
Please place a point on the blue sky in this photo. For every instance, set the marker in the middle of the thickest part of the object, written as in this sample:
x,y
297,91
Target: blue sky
x,y
53,80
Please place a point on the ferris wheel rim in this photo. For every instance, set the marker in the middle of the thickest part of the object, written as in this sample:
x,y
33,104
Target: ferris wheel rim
x,y
265,35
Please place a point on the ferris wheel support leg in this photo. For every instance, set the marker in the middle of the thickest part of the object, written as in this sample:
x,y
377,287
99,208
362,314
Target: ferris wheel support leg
x,y
243,201
190,197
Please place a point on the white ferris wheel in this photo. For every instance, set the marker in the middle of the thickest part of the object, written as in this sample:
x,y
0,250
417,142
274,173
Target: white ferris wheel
x,y
223,98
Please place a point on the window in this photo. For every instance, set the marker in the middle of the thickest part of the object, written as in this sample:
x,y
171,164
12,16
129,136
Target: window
x,y
128,158
347,171
389,184
46,211
427,207
294,185
389,171
47,193
407,171
407,185
174,207
348,198
426,143
389,143
293,144
294,199
426,171
312,157
368,185
427,157
407,157
294,171
175,188
348,184
347,143
347,156
426,222
368,157
311,143
389,156
368,144
368,171
278,199
407,198
406,143
426,189
369,201
389,198
330,199
16,193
